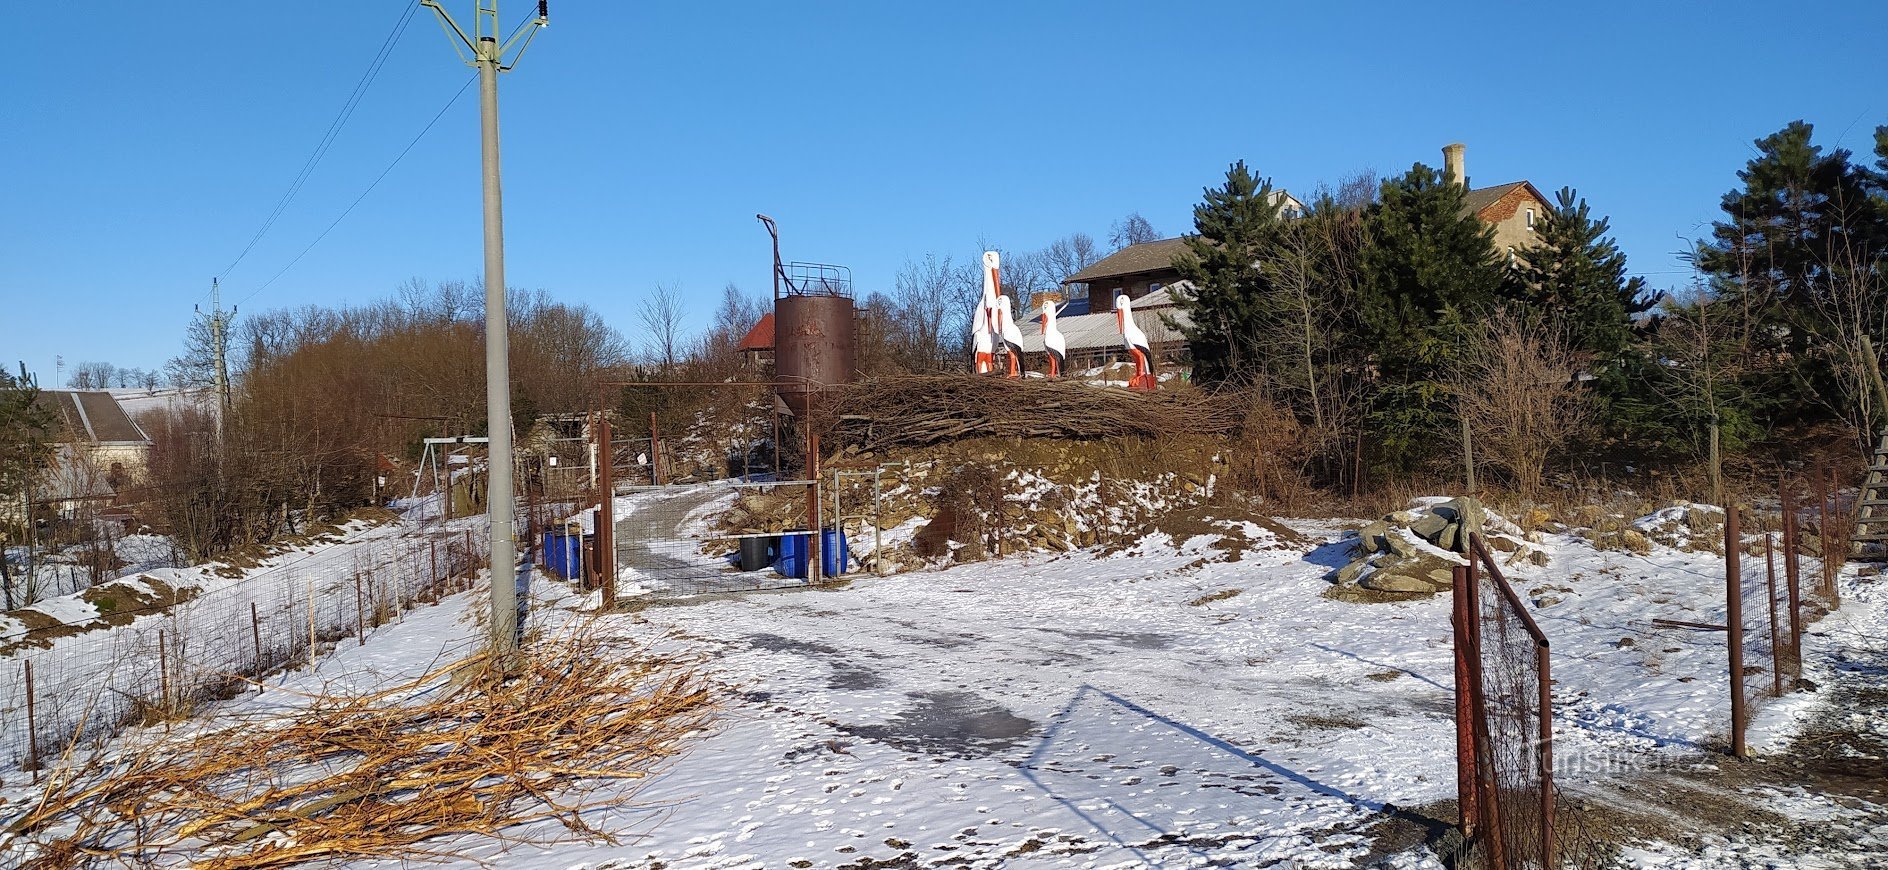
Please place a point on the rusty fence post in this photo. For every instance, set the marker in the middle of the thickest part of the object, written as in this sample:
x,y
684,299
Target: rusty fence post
x,y
604,533
1770,582
1734,624
1793,569
1545,752
1465,778
1487,789
32,725
1831,569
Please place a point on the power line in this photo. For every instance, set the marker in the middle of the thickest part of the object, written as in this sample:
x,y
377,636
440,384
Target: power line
x,y
370,189
328,137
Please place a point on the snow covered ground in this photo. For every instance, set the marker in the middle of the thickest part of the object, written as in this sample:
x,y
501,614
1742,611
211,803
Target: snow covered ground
x,y
1170,706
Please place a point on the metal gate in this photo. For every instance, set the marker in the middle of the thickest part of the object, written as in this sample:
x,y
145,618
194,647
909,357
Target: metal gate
x,y
689,539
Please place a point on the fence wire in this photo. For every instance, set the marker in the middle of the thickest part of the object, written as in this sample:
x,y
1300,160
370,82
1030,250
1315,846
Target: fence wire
x,y
219,644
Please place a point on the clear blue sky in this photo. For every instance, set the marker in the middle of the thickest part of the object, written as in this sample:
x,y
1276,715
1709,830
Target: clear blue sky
x,y
145,143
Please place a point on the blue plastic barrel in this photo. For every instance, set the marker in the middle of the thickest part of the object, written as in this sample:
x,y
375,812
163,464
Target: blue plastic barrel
x,y
834,557
792,554
563,555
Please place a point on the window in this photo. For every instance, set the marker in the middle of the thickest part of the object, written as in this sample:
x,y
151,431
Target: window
x,y
1530,218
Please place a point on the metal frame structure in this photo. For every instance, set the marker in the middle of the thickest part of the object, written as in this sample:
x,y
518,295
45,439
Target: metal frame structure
x,y
1487,816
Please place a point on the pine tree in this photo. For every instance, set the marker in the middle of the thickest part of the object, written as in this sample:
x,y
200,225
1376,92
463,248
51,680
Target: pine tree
x,y
1573,280
26,437
1233,225
1804,241
1429,274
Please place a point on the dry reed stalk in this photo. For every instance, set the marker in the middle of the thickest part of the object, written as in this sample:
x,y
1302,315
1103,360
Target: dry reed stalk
x,y
386,774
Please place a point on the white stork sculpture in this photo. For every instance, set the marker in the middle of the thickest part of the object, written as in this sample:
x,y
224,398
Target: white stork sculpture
x,y
1055,347
1136,342
983,327
1012,336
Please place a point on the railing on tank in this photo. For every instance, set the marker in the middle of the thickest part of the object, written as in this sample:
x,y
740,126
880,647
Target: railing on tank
x,y
817,279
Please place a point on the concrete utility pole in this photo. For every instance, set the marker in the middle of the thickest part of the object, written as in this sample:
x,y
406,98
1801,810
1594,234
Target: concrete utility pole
x,y
219,351
487,55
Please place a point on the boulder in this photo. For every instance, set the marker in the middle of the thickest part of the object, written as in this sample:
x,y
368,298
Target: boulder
x,y
1467,511
1402,518
1430,526
1402,546
1397,582
1370,538
1349,573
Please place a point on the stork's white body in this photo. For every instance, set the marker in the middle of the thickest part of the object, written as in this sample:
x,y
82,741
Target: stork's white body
x,y
1012,336
1053,343
984,325
1136,343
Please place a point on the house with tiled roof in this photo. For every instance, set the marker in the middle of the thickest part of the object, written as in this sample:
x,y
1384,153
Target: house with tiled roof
x,y
1513,209
101,450
757,346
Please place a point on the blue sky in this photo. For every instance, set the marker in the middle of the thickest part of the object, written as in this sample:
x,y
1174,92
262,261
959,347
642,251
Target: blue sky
x,y
146,143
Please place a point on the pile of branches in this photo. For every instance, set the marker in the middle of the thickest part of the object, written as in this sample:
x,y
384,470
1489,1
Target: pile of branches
x,y
390,775
922,410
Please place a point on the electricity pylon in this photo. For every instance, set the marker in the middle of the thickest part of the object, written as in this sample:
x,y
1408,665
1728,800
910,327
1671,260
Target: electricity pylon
x,y
487,55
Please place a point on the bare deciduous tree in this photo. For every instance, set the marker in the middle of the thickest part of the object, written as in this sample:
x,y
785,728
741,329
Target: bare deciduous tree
x,y
92,375
1131,230
1068,255
661,316
932,302
1520,392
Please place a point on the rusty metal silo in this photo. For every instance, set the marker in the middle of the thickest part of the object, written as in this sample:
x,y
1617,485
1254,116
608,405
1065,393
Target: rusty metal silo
x,y
814,345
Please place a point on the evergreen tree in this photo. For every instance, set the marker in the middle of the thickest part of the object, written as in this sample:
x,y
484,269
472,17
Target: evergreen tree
x,y
1428,275
1803,242
1234,226
1573,280
26,439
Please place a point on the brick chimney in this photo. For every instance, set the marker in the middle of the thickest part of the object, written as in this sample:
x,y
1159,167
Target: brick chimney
x,y
1453,164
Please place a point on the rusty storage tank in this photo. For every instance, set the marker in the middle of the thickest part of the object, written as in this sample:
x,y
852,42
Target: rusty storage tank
x,y
814,347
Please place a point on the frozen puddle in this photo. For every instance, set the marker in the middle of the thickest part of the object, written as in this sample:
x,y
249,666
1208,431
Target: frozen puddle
x,y
953,723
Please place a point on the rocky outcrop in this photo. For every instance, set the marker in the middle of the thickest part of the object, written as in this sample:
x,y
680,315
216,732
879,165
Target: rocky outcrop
x,y
1413,553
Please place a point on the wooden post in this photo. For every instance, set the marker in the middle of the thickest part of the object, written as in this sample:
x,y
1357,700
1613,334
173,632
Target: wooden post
x,y
32,726
1770,580
812,503
311,623
432,556
1734,623
255,630
163,679
606,516
360,612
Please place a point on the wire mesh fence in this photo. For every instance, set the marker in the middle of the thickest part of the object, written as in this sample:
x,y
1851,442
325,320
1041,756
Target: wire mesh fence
x,y
720,537
1507,769
158,668
1776,585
